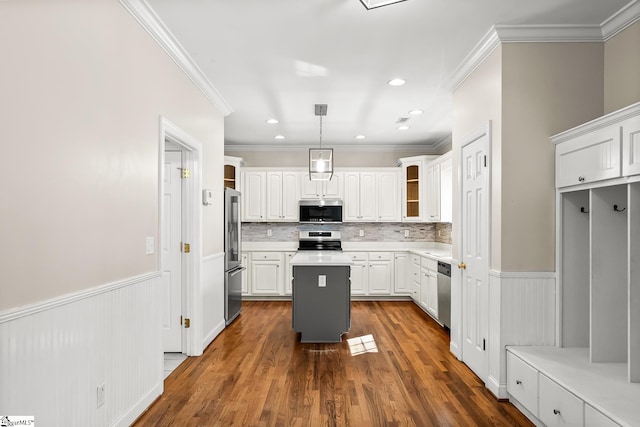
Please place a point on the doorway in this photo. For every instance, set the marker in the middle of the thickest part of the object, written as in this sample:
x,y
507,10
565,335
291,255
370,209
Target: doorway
x,y
475,221
179,225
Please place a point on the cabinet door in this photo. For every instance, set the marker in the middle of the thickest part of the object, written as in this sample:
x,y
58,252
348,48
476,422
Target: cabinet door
x,y
594,418
274,196
432,298
412,192
388,197
351,207
446,191
401,282
254,196
588,158
288,289
424,288
631,147
380,273
368,196
290,196
359,278
332,189
433,192
265,277
309,189
522,383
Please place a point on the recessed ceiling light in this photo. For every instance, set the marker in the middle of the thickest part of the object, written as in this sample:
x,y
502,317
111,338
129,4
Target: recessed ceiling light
x,y
396,82
416,112
272,121
360,137
403,127
279,137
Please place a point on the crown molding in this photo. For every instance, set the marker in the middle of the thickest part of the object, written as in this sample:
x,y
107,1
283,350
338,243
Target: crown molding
x,y
153,25
620,20
426,149
499,34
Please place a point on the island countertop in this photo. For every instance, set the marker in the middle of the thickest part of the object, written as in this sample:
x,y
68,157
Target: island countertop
x,y
320,258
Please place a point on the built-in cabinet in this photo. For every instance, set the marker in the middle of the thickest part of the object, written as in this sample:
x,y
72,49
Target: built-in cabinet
x,y
332,189
401,284
232,172
254,196
414,187
429,286
427,188
371,273
360,196
598,272
282,196
439,183
267,277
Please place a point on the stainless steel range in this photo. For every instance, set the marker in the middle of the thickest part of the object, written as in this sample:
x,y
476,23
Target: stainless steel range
x,y
319,240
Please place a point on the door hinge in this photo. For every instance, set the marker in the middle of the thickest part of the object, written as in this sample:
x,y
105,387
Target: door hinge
x,y
485,161
187,322
185,247
185,173
484,344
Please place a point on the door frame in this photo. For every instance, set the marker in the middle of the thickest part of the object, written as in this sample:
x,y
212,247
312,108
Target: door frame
x,y
481,131
191,228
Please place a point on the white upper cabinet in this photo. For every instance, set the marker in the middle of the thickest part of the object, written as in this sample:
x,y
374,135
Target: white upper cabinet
x,y
439,183
604,148
446,190
254,191
631,146
282,196
331,189
388,188
433,192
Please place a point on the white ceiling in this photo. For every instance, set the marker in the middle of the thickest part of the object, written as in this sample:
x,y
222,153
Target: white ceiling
x,y
278,58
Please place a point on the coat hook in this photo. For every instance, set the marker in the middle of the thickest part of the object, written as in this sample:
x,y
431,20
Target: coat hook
x,y
583,210
615,208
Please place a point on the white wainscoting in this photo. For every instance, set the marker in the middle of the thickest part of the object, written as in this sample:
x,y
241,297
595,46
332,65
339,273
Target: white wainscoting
x,y
522,311
212,297
53,355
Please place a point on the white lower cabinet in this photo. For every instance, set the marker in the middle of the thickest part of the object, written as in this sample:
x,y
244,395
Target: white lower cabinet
x,y
413,277
401,282
429,286
266,273
380,273
558,407
359,275
522,383
594,418
288,283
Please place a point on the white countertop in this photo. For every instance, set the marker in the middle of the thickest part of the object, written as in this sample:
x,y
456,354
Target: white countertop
x,y
324,258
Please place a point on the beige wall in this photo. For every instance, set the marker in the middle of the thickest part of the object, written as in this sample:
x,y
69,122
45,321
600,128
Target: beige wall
x,y
477,101
300,158
83,87
622,69
547,88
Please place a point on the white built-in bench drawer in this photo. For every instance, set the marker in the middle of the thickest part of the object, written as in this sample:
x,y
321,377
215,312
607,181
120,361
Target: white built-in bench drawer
x,y
595,418
522,383
557,406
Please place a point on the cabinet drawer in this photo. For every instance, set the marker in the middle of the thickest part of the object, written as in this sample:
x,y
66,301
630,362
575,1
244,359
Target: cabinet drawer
x,y
588,158
357,256
266,256
380,256
558,407
595,418
430,264
522,383
415,259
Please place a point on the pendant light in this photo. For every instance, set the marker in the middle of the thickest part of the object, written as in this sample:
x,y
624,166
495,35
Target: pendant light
x,y
320,159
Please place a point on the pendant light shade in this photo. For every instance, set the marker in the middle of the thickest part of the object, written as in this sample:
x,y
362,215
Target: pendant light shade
x,y
320,159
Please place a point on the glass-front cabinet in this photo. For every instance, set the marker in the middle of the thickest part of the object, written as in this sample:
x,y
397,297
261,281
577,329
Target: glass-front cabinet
x,y
232,172
414,188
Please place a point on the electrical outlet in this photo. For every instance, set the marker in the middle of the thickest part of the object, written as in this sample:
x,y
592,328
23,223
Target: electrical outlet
x,y
406,233
322,281
269,233
100,395
361,233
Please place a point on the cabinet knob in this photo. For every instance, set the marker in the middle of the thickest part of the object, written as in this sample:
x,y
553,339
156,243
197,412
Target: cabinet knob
x,y
581,178
462,266
518,382
556,411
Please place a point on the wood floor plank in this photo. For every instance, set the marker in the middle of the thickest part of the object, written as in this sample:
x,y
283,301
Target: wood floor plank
x,y
257,373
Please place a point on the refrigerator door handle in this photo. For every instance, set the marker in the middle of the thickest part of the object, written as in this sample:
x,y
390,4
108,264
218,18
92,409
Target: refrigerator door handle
x,y
236,271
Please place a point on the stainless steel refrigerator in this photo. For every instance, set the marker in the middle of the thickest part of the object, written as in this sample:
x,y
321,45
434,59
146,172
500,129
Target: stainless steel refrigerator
x,y
233,267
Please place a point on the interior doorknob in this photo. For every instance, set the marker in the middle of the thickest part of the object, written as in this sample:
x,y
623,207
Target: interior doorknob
x,y
462,266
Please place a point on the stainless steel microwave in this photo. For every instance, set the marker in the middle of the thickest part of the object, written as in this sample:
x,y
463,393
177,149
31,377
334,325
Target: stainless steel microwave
x,y
321,211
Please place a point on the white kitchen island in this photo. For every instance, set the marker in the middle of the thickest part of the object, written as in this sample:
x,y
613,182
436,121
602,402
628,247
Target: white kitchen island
x,y
321,299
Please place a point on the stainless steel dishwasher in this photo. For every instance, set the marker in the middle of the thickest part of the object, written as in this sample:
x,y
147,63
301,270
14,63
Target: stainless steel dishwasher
x,y
444,293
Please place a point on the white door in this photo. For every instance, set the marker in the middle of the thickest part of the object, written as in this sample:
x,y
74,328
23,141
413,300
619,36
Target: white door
x,y
475,255
171,255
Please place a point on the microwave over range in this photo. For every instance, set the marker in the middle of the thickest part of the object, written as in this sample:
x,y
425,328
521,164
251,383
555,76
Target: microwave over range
x,y
321,211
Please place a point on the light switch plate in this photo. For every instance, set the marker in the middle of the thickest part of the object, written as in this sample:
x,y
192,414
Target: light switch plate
x,y
150,249
322,281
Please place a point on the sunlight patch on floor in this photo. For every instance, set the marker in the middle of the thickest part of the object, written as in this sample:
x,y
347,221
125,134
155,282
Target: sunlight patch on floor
x,y
364,344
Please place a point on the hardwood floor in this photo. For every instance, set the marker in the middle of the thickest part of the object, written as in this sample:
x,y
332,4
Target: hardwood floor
x,y
257,373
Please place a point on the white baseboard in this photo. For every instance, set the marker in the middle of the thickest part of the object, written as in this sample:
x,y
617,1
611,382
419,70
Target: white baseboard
x,y
498,390
208,339
139,408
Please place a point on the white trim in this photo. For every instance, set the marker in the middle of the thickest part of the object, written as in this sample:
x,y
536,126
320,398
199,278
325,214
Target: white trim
x,y
522,274
498,390
427,149
499,34
208,339
28,310
136,410
151,22
620,20
192,151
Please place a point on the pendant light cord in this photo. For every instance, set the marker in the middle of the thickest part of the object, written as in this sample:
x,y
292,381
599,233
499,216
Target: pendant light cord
x,y
320,131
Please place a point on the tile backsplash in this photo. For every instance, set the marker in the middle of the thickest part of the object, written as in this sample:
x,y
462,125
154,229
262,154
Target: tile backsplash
x,y
373,231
